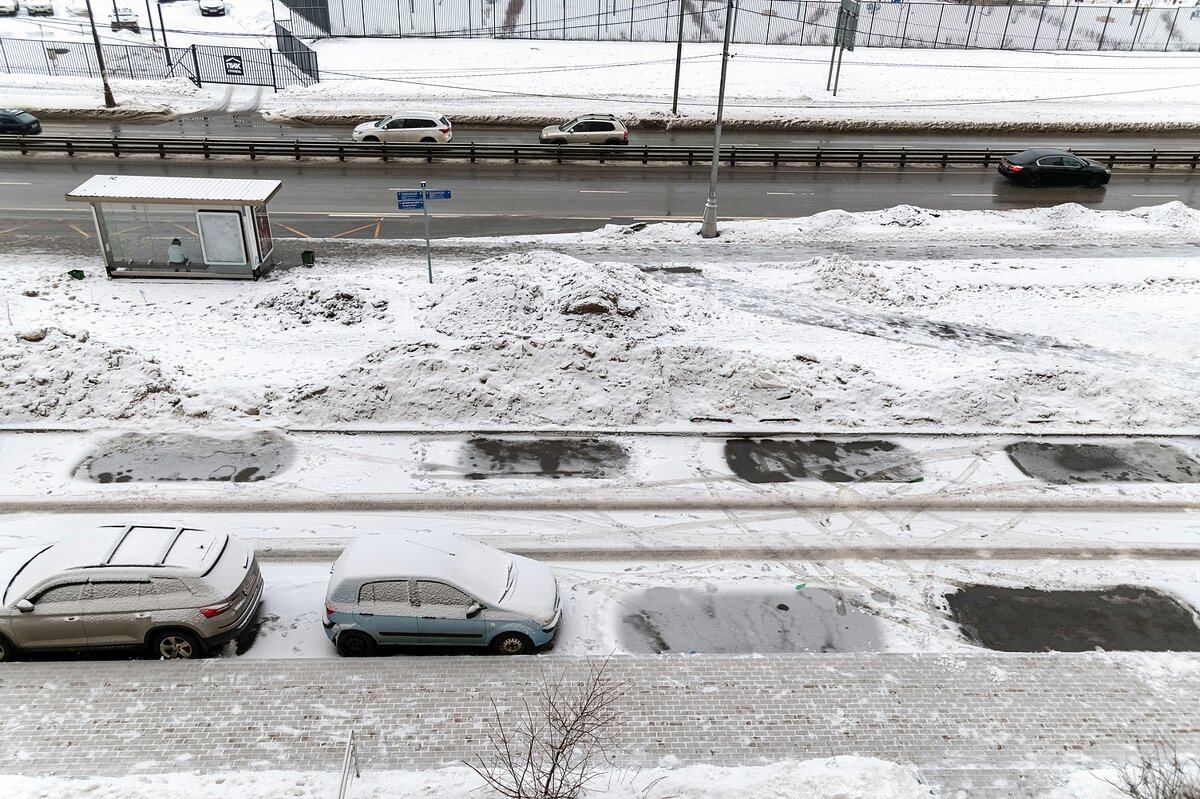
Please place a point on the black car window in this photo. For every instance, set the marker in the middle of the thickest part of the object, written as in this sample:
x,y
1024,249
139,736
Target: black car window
x,y
418,123
1050,160
1071,161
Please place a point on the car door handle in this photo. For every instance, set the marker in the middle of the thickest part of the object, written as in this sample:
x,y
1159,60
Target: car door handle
x,y
366,614
71,618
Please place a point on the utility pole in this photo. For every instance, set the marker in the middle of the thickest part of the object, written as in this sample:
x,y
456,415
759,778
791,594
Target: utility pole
x,y
109,100
708,228
678,63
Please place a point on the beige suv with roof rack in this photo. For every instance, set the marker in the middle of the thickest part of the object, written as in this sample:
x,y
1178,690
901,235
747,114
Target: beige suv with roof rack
x,y
587,129
176,592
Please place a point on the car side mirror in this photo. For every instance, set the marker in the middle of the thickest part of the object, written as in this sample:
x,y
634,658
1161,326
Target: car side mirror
x,y
475,610
24,605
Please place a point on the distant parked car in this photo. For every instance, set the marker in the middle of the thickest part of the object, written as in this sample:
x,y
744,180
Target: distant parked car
x,y
1047,166
175,592
439,590
587,129
212,8
407,126
21,123
39,8
124,18
9,8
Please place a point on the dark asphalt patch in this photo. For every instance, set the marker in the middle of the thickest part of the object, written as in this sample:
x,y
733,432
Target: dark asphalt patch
x,y
1118,462
1125,618
544,457
773,460
174,457
660,620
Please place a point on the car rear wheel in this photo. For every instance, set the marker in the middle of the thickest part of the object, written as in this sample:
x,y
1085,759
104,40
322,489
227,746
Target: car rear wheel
x,y
614,141
511,644
1033,181
429,140
351,644
174,645
8,652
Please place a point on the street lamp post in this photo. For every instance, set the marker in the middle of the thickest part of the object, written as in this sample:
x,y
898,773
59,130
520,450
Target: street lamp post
x,y
109,100
708,228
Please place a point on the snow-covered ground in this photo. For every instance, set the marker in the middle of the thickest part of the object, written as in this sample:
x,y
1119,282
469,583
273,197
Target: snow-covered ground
x,y
903,319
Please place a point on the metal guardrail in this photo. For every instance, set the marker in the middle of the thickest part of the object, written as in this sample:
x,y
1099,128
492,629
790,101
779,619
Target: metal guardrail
x,y
299,149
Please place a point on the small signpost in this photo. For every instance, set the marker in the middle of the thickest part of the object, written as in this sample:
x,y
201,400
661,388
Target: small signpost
x,y
411,200
843,39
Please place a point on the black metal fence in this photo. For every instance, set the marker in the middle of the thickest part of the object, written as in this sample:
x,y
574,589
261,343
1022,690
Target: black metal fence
x,y
808,22
301,56
343,150
200,64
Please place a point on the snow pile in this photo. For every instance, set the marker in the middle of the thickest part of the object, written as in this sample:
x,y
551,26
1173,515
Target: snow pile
x,y
541,293
844,280
297,305
50,373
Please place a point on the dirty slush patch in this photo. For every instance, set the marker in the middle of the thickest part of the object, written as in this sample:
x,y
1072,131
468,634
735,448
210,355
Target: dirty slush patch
x,y
167,457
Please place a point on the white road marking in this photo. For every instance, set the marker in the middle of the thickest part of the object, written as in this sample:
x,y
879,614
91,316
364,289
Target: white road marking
x,y
1154,195
6,183
602,191
973,195
781,193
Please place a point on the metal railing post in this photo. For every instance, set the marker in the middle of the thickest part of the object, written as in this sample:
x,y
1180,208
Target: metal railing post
x,y
350,758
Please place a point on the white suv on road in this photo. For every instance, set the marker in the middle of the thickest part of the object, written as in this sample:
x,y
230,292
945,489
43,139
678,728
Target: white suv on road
x,y
429,127
587,129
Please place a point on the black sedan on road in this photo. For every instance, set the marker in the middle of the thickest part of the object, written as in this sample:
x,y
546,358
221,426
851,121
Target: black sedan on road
x,y
1046,166
19,122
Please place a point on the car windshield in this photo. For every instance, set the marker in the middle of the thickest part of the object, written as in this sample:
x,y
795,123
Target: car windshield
x,y
568,123
25,117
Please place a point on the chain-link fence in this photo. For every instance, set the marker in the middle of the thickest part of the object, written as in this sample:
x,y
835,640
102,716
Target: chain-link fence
x,y
200,64
809,22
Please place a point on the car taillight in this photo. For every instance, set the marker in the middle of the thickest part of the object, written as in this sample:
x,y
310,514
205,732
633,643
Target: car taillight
x,y
329,609
215,610
1013,167
444,130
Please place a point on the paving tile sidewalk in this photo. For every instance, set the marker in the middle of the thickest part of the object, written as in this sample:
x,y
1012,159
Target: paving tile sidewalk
x,y
986,726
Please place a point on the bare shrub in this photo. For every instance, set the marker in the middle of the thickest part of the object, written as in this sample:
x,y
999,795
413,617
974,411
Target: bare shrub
x,y
553,746
1159,772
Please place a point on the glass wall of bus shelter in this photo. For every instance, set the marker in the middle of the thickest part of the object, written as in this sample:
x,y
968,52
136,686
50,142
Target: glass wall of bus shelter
x,y
139,235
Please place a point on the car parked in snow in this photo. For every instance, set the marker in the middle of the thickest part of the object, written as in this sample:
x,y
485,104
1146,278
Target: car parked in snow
x,y
212,8
429,127
175,592
124,18
438,589
1046,166
9,8
39,8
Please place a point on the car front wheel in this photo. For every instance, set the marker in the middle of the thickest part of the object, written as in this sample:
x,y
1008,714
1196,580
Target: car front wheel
x,y
511,644
1096,182
175,645
8,652
371,139
352,644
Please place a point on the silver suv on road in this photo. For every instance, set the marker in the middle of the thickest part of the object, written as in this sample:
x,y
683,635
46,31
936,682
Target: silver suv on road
x,y
587,129
176,592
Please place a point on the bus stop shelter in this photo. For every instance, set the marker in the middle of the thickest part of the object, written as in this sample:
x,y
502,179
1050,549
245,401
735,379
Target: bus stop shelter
x,y
181,227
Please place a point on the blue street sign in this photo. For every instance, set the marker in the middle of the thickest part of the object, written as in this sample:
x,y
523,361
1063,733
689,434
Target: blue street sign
x,y
405,205
437,194
401,196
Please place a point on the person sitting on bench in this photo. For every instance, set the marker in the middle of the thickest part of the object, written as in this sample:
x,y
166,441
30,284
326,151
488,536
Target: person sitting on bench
x,y
175,256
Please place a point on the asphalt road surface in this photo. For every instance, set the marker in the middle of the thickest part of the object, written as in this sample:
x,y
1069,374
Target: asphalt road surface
x,y
323,199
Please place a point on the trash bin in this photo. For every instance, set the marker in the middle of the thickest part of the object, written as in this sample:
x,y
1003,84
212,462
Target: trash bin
x,y
308,258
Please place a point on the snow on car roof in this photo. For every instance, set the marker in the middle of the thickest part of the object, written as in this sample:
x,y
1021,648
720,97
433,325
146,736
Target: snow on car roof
x,y
424,555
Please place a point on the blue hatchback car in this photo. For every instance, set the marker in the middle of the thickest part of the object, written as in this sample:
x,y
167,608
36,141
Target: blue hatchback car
x,y
438,589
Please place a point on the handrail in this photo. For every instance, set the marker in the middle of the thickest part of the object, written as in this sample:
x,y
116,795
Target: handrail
x,y
299,149
351,757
